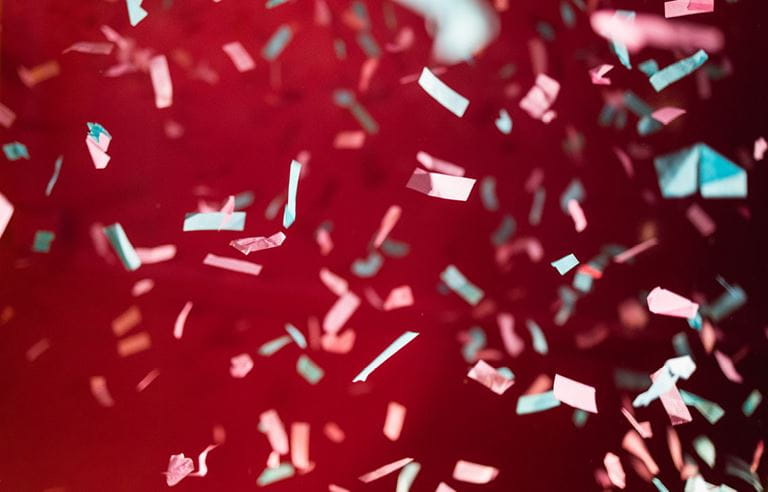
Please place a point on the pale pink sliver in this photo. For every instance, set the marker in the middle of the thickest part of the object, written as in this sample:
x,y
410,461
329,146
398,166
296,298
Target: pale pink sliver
x,y
662,301
399,297
597,74
393,422
335,283
466,471
759,150
340,312
512,341
439,185
434,164
667,114
6,211
634,444
232,264
699,218
388,222
300,445
240,57
349,140
577,214
643,428
272,426
161,81
726,365
384,470
157,254
181,319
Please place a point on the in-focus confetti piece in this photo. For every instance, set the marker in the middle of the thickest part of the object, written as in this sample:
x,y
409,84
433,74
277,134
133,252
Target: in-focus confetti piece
x,y
340,312
42,241
491,378
643,428
272,475
678,8
537,402
466,471
709,409
97,141
179,467
134,344
212,221
665,379
277,43
751,403
122,246
393,348
681,173
440,92
388,222
309,370
161,81
239,56
540,97
575,394
232,264
289,214
15,150
181,319
100,391
240,366
441,185
7,116
399,297
55,176
458,283
503,122
663,301
136,13
384,470
6,211
597,74
565,264
615,470
393,423
677,70
248,245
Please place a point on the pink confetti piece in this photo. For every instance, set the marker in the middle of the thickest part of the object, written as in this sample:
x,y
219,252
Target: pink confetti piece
x,y
157,254
540,97
388,222
678,8
227,210
513,343
575,394
700,220
349,140
126,321
577,214
634,444
434,164
667,114
441,185
40,73
728,368
134,344
181,319
323,238
384,470
340,312
100,391
38,349
366,73
90,48
300,446
98,149
675,448
335,283
336,488
399,297
758,454
403,41
179,467
466,471
643,428
625,256
161,81
271,425
665,302
248,245
147,380
708,336
202,467
597,74
232,264
673,403
240,366
338,344
626,162
489,377
615,471
7,116
759,150
240,57
393,423
444,487
333,432
142,286
6,211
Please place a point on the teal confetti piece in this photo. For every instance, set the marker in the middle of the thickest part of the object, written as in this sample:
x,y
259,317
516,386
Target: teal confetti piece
x,y
390,19
620,49
393,348
368,44
638,107
539,402
680,343
311,371
136,14
709,409
751,403
659,486
537,207
505,230
122,246
273,346
476,342
506,372
272,475
539,341
582,282
289,214
607,114
676,71
647,125
568,299
488,193
277,43
395,249
344,98
565,264
720,177
95,130
407,476
368,267
212,221
567,14
705,449
42,241
296,335
580,418
648,67
55,176
361,12
696,322
274,3
545,30
340,48
244,200
458,283
15,151
736,467
574,191
678,173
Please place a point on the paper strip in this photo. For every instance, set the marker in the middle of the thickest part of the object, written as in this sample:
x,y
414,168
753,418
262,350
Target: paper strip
x,y
407,476
309,370
615,471
458,283
100,391
277,43
398,298
134,344
440,92
575,394
387,223
289,214
161,81
676,71
393,423
122,246
340,312
181,319
662,301
239,56
536,403
393,348
248,245
384,470
271,425
212,221
434,164
232,264
565,264
296,335
643,428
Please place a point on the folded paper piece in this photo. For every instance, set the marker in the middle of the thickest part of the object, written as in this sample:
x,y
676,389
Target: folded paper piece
x,y
97,141
643,428
157,254
466,471
667,114
296,336
232,264
663,301
100,391
491,378
665,379
179,467
537,402
161,81
384,470
597,74
504,122
615,471
289,213
441,185
122,246
272,475
678,8
575,394
181,319
7,116
565,264
672,73
393,348
387,224
240,366
672,401
212,221
458,283
247,245
434,164
239,56
309,370
399,297
540,97
15,150
277,43
42,241
6,211
136,14
393,423
340,312
440,92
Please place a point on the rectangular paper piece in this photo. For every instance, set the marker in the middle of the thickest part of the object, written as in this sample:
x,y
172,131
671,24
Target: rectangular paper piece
x,y
384,470
575,394
289,214
466,471
663,301
161,81
672,73
678,8
536,403
242,60
699,167
441,185
394,347
6,211
440,92
232,264
122,246
565,264
393,423
458,283
97,140
214,221
491,378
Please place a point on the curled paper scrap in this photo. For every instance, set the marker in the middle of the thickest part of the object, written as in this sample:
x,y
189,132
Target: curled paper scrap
x,y
440,92
248,245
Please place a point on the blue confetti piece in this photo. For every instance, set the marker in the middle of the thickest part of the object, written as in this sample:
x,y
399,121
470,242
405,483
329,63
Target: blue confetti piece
x,y
289,214
565,264
42,241
488,193
277,43
211,221
536,403
369,267
122,246
539,341
672,73
15,151
461,286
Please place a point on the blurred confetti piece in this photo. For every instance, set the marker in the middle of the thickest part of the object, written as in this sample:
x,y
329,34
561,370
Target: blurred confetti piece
x,y
407,476
757,455
333,432
240,366
300,446
214,221
540,97
336,488
705,449
643,428
539,340
575,394
100,391
488,194
388,222
503,122
273,346
157,254
15,150
565,264
627,255
709,409
662,301
297,337
126,321
335,284
700,220
759,149
393,348
232,264
136,13
147,380
672,73
97,141
272,475
513,343
466,471
399,297
678,8
338,344
667,114
444,487
597,74
6,211
179,467
633,444
349,140
90,48
368,267
537,402
42,241
309,370
675,448
728,368
439,185
490,377
277,43
7,116
271,425
37,349
665,379
248,245
134,344
615,470
239,56
458,283
181,319
577,214
434,164
384,470
440,92
289,214
393,423
751,403
40,73
340,312
122,246
161,81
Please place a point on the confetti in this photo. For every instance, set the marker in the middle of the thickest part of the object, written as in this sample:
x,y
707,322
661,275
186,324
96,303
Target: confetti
x,y
666,378
458,283
407,476
248,245
539,341
503,122
126,321
393,423
577,214
575,394
38,349
399,297
7,116
134,344
710,410
335,284
181,319
42,241
240,366
441,185
434,164
537,402
759,149
667,114
277,43
678,70
540,97
296,335
272,475
751,403
643,428
40,73
368,267
213,221
271,425
440,92
662,301
597,74
678,8
633,444
466,471
300,446
512,341
232,264
122,246
289,214
349,140
273,346
309,370
491,378
100,391
388,222
15,151
136,13
239,56
565,264
393,348
55,176
97,141
615,470
147,380
161,81
90,48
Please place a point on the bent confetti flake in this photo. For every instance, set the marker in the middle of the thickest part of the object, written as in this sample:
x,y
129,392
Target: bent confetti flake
x,y
344,307
248,245
161,81
181,319
540,97
440,92
393,348
458,283
439,185
122,246
97,141
491,378
466,471
575,394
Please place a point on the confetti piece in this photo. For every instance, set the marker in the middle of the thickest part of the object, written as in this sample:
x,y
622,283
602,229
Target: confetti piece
x,y
643,428
434,164
757,455
272,475
126,321
666,378
90,48
503,122
134,344
672,401
751,403
232,264
273,346
678,8
627,255
212,221
540,97
240,366
97,141
597,74
662,301
709,409
575,394
161,81
512,341
239,56
100,391
488,193
505,230
615,471
147,380
443,487
55,176
440,92
247,245
466,471
393,348
15,151
398,298
537,402
7,116
38,349
296,335
335,284
340,312
728,368
366,268
633,444
393,423
346,99
458,283
565,264
699,218
667,114
271,425
277,43
577,214
349,140
705,449
42,241
759,149
40,73
333,432
407,476
733,298
157,254
698,166
181,319
136,13
289,214
388,222
179,467
539,341
311,371
678,70
384,470
338,344
489,377
122,246
300,446
441,185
